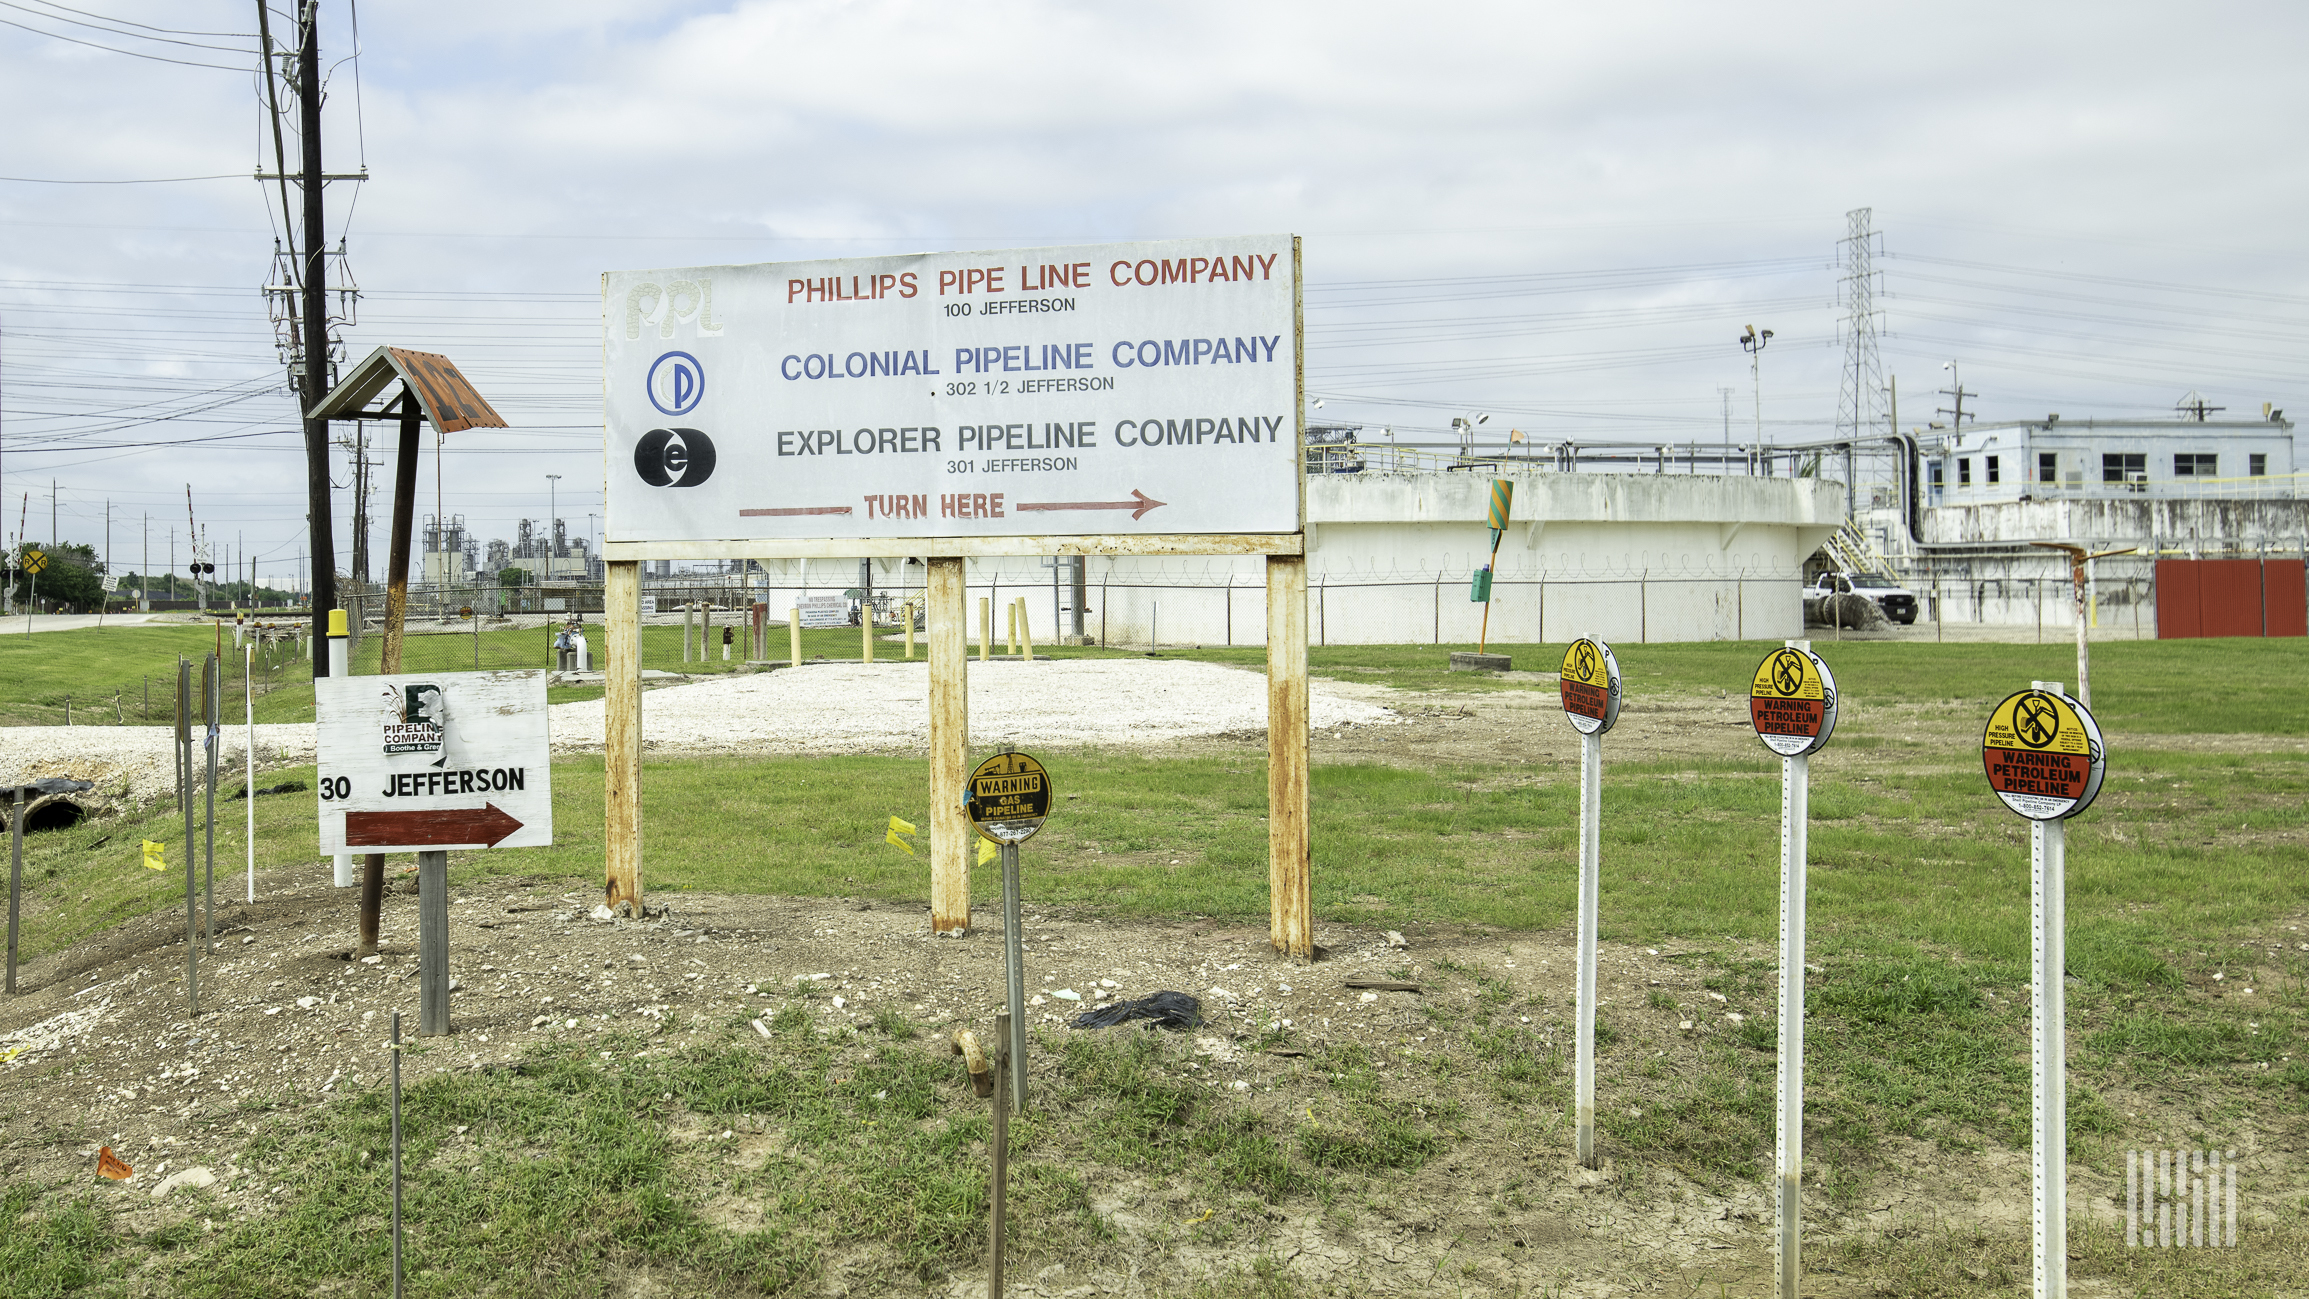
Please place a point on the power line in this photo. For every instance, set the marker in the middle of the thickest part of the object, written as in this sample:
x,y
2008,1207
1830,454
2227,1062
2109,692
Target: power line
x,y
125,22
113,49
143,180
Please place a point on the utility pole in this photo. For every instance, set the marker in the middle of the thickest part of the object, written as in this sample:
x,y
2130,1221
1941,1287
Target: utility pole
x,y
314,356
1725,466
553,523
1956,393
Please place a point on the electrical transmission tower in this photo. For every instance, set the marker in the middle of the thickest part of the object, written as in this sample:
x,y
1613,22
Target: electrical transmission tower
x,y
1859,401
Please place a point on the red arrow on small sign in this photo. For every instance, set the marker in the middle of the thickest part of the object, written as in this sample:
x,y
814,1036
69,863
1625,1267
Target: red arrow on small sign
x,y
1137,507
487,824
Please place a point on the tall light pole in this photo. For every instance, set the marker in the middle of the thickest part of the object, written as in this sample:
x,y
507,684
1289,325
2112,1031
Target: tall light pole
x,y
552,519
1464,426
1753,343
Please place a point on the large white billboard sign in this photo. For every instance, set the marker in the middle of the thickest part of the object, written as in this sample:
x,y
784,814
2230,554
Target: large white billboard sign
x,y
1148,388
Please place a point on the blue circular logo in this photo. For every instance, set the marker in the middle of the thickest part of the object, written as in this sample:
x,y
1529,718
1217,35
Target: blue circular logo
x,y
677,383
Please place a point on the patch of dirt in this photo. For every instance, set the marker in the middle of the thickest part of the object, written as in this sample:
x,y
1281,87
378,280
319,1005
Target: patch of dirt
x,y
106,1054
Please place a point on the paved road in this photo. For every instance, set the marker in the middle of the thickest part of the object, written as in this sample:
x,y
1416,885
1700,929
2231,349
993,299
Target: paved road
x,y
75,621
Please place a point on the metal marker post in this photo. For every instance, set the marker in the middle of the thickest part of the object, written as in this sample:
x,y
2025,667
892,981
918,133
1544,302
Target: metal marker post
x,y
15,881
1788,1148
433,943
249,699
191,859
1590,882
396,1053
1014,959
1001,1179
211,687
2048,1163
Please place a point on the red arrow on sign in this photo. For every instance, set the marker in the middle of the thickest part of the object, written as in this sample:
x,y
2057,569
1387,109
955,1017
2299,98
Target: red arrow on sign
x,y
1137,508
487,824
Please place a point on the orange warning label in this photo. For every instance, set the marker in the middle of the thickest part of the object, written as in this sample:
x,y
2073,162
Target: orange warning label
x,y
109,1165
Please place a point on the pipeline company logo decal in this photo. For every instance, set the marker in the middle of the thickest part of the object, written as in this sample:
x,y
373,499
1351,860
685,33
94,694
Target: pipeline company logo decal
x,y
414,717
674,457
676,383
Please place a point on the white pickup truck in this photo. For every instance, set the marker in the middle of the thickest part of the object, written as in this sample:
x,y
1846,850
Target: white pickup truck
x,y
1897,602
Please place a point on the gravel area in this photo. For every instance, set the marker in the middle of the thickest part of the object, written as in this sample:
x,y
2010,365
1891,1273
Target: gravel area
x,y
883,708
822,708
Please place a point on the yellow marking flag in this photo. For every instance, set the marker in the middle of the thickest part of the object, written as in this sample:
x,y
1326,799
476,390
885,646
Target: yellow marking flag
x,y
152,859
898,827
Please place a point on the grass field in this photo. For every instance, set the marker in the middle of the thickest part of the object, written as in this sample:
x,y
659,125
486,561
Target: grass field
x,y
2185,879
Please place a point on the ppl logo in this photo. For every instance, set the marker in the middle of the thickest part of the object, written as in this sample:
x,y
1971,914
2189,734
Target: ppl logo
x,y
677,383
674,457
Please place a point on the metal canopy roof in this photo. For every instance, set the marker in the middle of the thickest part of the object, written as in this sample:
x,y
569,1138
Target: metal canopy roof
x,y
443,393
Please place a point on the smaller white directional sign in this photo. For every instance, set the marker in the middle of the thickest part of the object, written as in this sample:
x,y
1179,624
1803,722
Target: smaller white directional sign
x,y
430,761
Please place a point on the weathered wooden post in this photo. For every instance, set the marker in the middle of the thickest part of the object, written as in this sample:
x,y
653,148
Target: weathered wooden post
x,y
1291,907
950,833
621,736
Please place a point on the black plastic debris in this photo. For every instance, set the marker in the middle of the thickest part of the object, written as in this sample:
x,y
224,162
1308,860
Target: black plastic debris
x,y
285,787
1166,1009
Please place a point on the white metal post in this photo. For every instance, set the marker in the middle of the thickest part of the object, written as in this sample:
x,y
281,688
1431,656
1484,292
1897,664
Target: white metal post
x,y
1590,854
1788,1150
338,667
249,735
2049,1166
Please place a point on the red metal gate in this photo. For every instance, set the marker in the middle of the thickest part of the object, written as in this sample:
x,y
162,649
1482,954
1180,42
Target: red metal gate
x,y
2231,597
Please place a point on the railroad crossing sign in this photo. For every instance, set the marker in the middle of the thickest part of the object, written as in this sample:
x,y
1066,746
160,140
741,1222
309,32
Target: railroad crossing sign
x,y
35,561
431,762
1008,798
1792,702
1591,686
2043,754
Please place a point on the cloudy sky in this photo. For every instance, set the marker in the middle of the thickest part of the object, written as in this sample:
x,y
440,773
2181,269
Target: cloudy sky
x,y
1563,215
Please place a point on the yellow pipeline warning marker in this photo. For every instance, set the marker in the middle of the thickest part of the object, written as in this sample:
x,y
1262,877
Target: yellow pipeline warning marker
x,y
1792,702
2043,755
152,856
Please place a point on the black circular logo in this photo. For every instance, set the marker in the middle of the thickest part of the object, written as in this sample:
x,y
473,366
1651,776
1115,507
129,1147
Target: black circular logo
x,y
1788,672
2036,720
674,457
1583,661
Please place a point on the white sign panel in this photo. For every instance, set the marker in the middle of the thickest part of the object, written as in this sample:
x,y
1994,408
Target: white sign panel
x,y
1147,388
824,611
430,761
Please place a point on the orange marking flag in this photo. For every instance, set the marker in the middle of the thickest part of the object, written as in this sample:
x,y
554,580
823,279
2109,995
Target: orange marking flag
x,y
109,1165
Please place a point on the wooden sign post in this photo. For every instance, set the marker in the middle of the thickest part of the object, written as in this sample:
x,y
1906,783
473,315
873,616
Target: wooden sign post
x,y
432,389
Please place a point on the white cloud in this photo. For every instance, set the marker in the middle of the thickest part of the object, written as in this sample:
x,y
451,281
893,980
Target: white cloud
x,y
523,148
